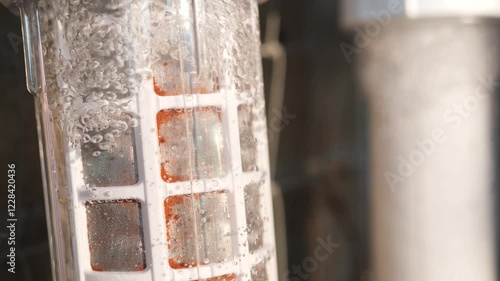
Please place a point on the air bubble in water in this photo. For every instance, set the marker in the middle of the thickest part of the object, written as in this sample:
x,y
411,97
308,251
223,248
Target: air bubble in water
x,y
133,122
109,137
96,139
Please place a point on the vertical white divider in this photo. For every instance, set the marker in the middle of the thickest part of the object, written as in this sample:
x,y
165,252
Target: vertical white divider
x,y
78,212
153,183
240,236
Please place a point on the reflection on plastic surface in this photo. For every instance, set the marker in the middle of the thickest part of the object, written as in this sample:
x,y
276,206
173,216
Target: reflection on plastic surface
x,y
210,219
115,235
207,147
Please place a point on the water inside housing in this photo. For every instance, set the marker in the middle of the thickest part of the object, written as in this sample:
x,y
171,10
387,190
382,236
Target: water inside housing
x,y
253,207
206,144
248,143
259,272
115,166
160,168
212,220
115,235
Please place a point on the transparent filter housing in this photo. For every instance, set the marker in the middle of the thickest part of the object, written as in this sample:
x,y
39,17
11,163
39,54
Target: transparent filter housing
x,y
153,136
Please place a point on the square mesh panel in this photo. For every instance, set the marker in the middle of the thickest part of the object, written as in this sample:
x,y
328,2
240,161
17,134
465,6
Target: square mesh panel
x,y
115,235
248,143
197,132
110,167
255,224
206,214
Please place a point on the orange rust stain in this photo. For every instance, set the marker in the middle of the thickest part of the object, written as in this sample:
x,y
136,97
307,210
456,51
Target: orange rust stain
x,y
163,117
172,218
178,265
229,277
169,203
161,92
175,91
97,268
202,90
173,201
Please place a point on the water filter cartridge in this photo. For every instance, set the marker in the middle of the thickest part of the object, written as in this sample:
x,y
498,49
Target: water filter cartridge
x,y
153,131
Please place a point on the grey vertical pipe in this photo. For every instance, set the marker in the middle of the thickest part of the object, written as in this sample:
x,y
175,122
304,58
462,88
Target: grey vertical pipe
x,y
431,84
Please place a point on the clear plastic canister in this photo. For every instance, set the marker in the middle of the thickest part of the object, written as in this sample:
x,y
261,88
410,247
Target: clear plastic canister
x,y
153,136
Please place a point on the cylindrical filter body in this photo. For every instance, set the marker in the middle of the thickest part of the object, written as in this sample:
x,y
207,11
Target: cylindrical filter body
x,y
152,124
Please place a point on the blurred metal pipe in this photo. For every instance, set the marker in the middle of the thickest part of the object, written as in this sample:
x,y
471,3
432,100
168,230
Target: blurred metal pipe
x,y
432,85
360,11
273,50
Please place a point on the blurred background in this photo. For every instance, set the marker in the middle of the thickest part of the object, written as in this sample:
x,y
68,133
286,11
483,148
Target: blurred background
x,y
334,97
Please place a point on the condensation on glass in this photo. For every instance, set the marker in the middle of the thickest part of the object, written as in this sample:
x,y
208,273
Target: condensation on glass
x,y
154,138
